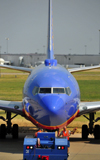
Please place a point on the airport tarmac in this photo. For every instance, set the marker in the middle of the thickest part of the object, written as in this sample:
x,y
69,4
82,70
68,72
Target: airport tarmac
x,y
84,149
79,150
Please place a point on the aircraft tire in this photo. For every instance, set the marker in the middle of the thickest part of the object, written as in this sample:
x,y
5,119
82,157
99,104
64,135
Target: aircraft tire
x,y
97,132
84,132
15,131
3,131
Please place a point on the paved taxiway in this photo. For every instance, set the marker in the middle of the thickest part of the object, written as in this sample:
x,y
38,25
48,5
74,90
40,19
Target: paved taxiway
x,y
79,150
84,150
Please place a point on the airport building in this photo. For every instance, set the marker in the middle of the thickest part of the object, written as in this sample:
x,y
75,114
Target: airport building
x,y
34,59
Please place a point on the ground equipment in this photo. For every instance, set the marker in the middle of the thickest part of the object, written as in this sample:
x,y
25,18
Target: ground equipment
x,y
45,147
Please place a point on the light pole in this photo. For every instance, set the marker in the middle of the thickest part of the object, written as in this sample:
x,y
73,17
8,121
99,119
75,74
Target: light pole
x,y
7,39
37,50
99,41
70,51
0,51
85,49
44,49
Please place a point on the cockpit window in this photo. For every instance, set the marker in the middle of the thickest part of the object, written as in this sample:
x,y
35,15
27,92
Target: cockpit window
x,y
35,90
68,91
51,90
58,90
45,90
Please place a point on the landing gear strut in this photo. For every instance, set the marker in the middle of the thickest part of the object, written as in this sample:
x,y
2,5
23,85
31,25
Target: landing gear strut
x,y
95,130
4,130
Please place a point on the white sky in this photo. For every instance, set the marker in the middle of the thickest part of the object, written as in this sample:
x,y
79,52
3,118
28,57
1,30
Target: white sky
x,y
24,22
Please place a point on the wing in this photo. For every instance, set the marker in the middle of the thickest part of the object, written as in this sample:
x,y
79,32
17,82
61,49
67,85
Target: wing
x,y
10,106
88,107
17,68
83,69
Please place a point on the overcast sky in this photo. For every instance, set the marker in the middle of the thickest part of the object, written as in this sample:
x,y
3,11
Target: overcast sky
x,y
76,26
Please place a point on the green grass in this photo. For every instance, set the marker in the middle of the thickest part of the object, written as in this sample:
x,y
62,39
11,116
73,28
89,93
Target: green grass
x,y
87,75
11,87
2,113
2,70
90,90
89,82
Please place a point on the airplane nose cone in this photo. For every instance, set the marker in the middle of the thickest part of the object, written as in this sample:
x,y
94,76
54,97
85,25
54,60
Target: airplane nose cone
x,y
52,102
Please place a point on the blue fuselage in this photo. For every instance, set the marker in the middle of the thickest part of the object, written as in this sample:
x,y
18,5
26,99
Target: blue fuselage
x,y
51,110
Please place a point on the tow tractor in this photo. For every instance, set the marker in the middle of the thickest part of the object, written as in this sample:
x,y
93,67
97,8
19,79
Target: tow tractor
x,y
49,147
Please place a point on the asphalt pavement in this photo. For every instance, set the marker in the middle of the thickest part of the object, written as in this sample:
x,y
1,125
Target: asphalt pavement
x,y
84,149
11,149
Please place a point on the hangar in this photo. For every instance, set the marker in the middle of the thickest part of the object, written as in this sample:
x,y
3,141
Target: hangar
x,y
31,59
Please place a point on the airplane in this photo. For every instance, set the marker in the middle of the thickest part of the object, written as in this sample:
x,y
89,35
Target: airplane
x,y
51,96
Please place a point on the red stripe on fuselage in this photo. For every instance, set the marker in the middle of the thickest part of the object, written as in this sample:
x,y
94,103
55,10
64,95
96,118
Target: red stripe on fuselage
x,y
39,125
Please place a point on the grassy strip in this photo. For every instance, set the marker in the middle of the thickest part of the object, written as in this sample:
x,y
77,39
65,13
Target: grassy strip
x,y
2,70
87,75
11,87
89,82
90,90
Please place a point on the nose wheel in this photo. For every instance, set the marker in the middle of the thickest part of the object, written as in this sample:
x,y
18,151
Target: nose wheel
x,y
8,129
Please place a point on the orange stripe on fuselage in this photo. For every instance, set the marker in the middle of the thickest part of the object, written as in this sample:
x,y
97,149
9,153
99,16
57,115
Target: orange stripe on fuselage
x,y
39,125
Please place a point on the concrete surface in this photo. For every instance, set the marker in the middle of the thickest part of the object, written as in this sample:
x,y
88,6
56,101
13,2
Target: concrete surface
x,y
84,150
79,150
